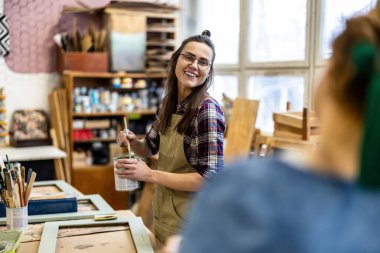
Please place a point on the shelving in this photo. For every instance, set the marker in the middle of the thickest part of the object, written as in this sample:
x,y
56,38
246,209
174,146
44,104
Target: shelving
x,y
98,144
161,33
115,114
161,41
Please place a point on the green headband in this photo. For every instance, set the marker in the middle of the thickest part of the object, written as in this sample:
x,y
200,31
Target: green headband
x,y
364,57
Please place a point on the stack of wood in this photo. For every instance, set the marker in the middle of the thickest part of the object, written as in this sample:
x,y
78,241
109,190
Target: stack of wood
x,y
60,132
296,125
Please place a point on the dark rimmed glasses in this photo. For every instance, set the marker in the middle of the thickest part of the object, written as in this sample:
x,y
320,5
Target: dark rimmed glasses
x,y
203,64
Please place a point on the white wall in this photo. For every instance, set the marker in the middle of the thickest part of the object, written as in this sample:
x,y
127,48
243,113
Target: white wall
x,y
26,91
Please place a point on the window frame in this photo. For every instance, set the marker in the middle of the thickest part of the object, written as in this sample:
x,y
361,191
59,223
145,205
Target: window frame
x,y
312,65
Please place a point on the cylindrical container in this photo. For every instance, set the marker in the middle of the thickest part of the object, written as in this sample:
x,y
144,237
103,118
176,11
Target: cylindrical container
x,y
124,184
17,218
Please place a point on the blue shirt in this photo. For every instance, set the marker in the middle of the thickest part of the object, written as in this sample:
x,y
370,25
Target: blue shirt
x,y
271,206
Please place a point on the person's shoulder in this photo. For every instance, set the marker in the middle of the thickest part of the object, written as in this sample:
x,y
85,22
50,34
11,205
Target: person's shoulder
x,y
272,175
244,172
210,107
255,170
209,102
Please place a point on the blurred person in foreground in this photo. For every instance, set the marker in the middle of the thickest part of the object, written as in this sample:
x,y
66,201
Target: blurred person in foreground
x,y
328,203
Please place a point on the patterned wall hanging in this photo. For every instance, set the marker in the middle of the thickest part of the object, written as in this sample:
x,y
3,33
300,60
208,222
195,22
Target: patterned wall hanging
x,y
4,32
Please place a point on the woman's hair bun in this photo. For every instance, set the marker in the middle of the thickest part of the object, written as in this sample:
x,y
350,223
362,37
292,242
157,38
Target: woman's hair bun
x,y
206,33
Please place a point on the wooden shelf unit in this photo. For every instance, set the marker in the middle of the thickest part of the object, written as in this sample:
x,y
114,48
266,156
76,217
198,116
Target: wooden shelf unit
x,y
161,29
100,178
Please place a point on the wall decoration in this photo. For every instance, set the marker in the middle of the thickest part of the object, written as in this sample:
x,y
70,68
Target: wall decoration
x,y
4,32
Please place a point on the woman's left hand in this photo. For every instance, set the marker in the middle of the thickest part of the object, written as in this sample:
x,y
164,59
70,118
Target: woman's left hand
x,y
134,169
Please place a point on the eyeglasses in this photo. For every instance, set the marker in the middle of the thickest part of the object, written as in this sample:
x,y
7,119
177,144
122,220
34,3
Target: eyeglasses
x,y
203,64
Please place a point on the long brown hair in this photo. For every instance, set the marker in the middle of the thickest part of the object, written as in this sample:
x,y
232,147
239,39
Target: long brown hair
x,y
349,88
170,100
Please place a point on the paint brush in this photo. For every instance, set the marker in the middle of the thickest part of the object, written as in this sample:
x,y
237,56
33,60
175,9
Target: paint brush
x,y
30,186
126,132
8,163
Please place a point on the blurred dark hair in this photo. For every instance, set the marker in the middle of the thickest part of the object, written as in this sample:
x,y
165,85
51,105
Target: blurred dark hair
x,y
347,86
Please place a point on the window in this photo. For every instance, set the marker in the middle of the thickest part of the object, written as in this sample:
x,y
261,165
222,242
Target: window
x,y
227,84
274,91
272,50
271,30
333,15
223,22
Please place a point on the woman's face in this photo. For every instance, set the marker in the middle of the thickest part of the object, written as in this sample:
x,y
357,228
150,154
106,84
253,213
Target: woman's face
x,y
193,66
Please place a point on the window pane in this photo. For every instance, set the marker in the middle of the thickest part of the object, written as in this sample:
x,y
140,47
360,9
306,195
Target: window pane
x,y
222,18
276,34
333,16
274,92
227,84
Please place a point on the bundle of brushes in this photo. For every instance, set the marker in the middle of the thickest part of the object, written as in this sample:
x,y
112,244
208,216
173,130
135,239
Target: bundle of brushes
x,y
15,185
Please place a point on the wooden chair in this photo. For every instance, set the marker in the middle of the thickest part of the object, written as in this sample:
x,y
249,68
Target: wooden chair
x,y
241,128
297,131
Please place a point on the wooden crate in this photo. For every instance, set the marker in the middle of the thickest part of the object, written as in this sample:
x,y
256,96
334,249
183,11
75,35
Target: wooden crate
x,y
77,61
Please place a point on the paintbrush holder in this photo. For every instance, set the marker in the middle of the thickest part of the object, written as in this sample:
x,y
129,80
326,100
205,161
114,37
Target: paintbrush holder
x,y
17,218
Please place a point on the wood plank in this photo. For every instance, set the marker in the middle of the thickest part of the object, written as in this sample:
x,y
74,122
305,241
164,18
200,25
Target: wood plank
x,y
57,133
79,74
295,130
241,127
117,114
294,119
66,133
305,124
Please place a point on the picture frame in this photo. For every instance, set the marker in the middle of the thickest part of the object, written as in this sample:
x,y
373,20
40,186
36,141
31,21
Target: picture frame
x,y
101,206
59,185
139,234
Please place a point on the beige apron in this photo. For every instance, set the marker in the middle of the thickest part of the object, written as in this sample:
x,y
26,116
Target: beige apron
x,y
169,205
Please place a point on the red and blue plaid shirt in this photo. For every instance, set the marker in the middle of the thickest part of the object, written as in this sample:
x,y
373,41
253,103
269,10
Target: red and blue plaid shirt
x,y
203,140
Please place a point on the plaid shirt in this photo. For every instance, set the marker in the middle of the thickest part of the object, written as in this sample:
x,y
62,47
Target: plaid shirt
x,y
203,140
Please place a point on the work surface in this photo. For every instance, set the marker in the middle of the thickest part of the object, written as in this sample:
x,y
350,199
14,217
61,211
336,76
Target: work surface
x,y
32,153
90,239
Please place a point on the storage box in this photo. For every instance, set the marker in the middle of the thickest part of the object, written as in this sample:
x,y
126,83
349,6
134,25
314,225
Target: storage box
x,y
48,206
127,38
78,61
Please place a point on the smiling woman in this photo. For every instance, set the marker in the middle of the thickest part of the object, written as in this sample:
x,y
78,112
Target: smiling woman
x,y
188,135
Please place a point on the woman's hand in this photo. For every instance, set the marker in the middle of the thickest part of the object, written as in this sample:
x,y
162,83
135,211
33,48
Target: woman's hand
x,y
123,139
134,169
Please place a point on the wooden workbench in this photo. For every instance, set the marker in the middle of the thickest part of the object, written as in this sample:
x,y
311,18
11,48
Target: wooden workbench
x,y
32,153
114,238
91,239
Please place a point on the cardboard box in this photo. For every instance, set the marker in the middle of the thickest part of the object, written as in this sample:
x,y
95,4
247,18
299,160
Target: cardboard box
x,y
127,37
78,61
